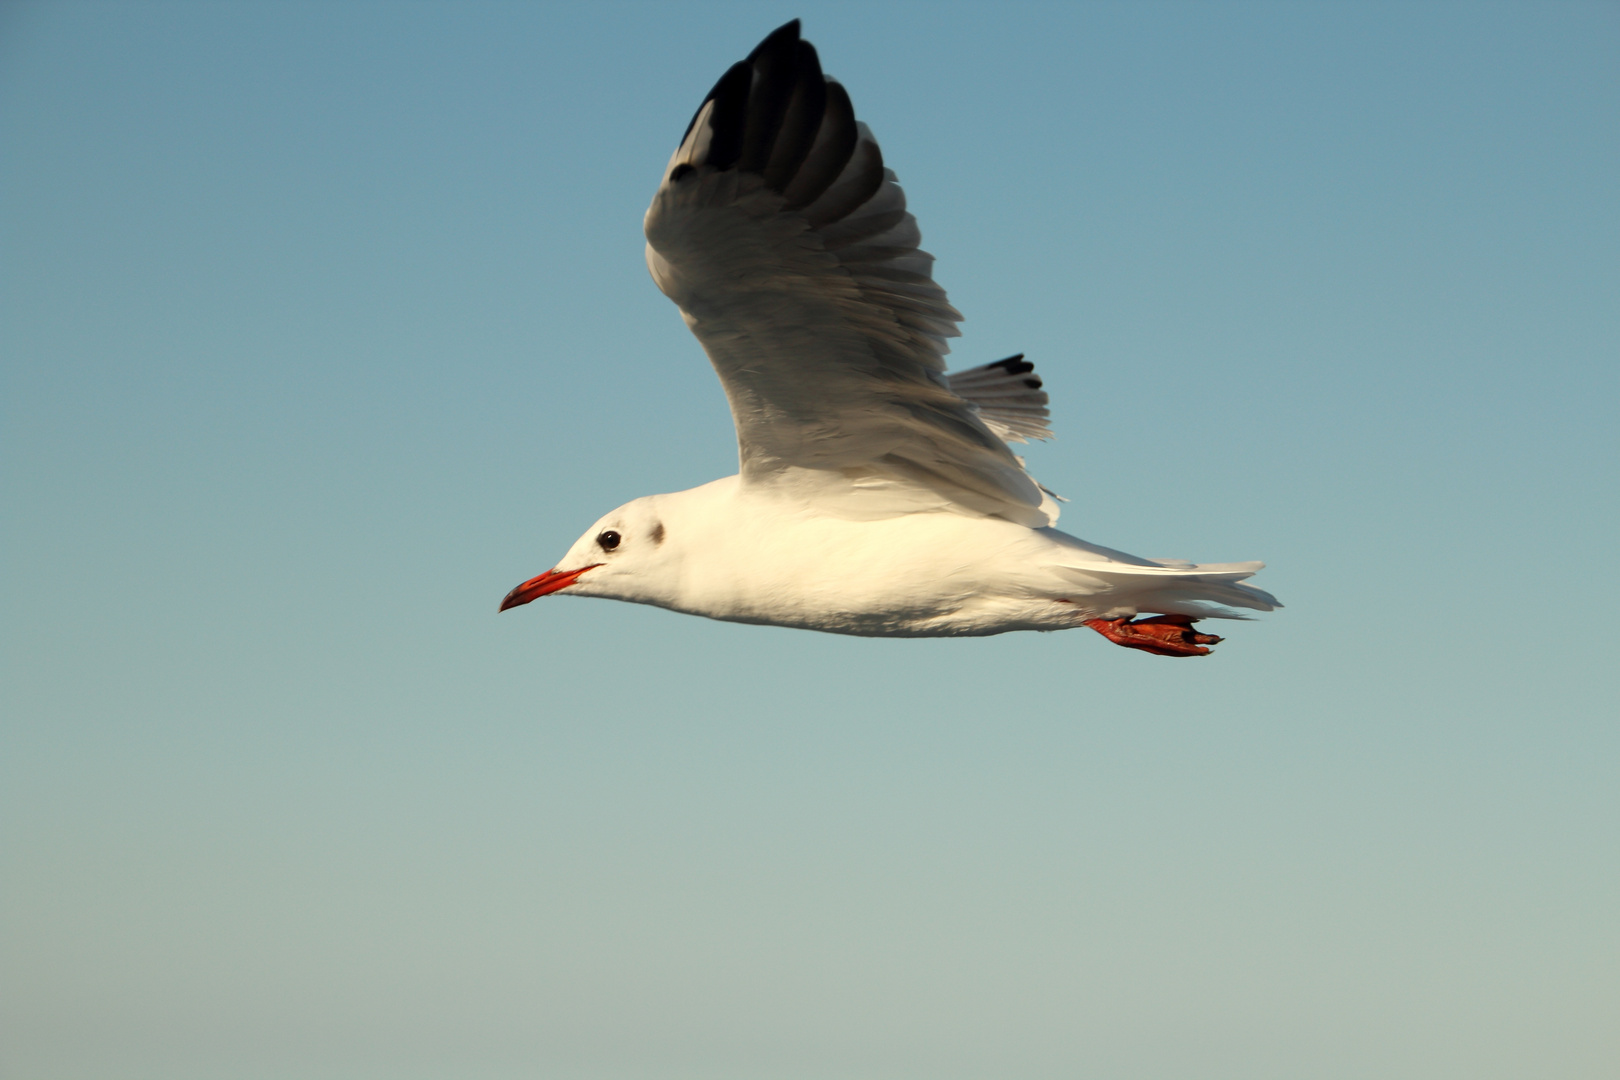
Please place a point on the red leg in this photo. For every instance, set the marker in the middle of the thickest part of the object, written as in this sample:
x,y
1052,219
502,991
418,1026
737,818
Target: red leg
x,y
1165,635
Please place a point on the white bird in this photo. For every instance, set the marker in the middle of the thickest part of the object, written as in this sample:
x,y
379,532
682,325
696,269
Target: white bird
x,y
876,495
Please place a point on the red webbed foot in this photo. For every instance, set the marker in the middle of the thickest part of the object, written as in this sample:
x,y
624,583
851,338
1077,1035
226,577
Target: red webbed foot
x,y
1164,635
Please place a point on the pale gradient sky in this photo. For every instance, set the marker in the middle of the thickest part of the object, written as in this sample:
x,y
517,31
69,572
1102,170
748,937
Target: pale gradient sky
x,y
325,324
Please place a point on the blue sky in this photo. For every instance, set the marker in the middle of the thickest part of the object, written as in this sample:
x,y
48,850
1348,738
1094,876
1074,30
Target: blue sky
x,y
325,324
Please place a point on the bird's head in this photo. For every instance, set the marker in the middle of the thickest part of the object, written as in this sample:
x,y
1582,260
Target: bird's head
x,y
622,557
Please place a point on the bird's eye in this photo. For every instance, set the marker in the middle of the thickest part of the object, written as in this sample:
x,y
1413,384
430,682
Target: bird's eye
x,y
609,540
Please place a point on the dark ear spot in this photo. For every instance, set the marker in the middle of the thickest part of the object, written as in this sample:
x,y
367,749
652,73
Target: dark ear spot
x,y
681,172
658,533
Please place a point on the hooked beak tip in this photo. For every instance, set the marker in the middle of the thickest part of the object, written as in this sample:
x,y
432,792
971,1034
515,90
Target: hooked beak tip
x,y
543,585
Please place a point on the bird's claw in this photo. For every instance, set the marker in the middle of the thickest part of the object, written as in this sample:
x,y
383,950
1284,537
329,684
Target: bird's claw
x,y
1164,635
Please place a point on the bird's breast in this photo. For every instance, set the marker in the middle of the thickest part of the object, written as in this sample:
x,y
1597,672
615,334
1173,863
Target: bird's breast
x,y
912,575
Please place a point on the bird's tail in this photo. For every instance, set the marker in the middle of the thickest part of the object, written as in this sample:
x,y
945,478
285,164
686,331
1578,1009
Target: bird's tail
x,y
1168,587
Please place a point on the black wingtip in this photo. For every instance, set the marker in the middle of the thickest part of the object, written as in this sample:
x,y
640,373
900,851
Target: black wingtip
x,y
732,94
777,115
786,74
1013,365
730,113
778,38
734,89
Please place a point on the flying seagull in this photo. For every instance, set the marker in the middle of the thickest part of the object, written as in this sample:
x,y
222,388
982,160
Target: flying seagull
x,y
876,494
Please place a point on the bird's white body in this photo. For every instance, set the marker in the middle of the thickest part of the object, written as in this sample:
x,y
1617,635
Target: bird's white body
x,y
730,551
876,494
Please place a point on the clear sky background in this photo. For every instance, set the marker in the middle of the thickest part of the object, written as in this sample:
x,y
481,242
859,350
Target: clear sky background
x,y
326,324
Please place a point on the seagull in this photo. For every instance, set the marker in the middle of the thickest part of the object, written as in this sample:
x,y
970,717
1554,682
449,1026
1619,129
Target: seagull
x,y
876,494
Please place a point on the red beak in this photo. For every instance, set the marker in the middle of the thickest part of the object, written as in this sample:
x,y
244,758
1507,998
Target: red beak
x,y
548,582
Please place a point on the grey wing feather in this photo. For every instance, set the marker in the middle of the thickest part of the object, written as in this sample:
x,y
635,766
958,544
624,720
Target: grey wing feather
x,y
1009,398
788,247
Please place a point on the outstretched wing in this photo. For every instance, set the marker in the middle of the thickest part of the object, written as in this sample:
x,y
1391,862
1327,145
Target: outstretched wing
x,y
788,248
1008,396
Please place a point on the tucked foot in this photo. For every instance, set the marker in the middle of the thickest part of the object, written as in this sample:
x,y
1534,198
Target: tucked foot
x,y
1165,635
